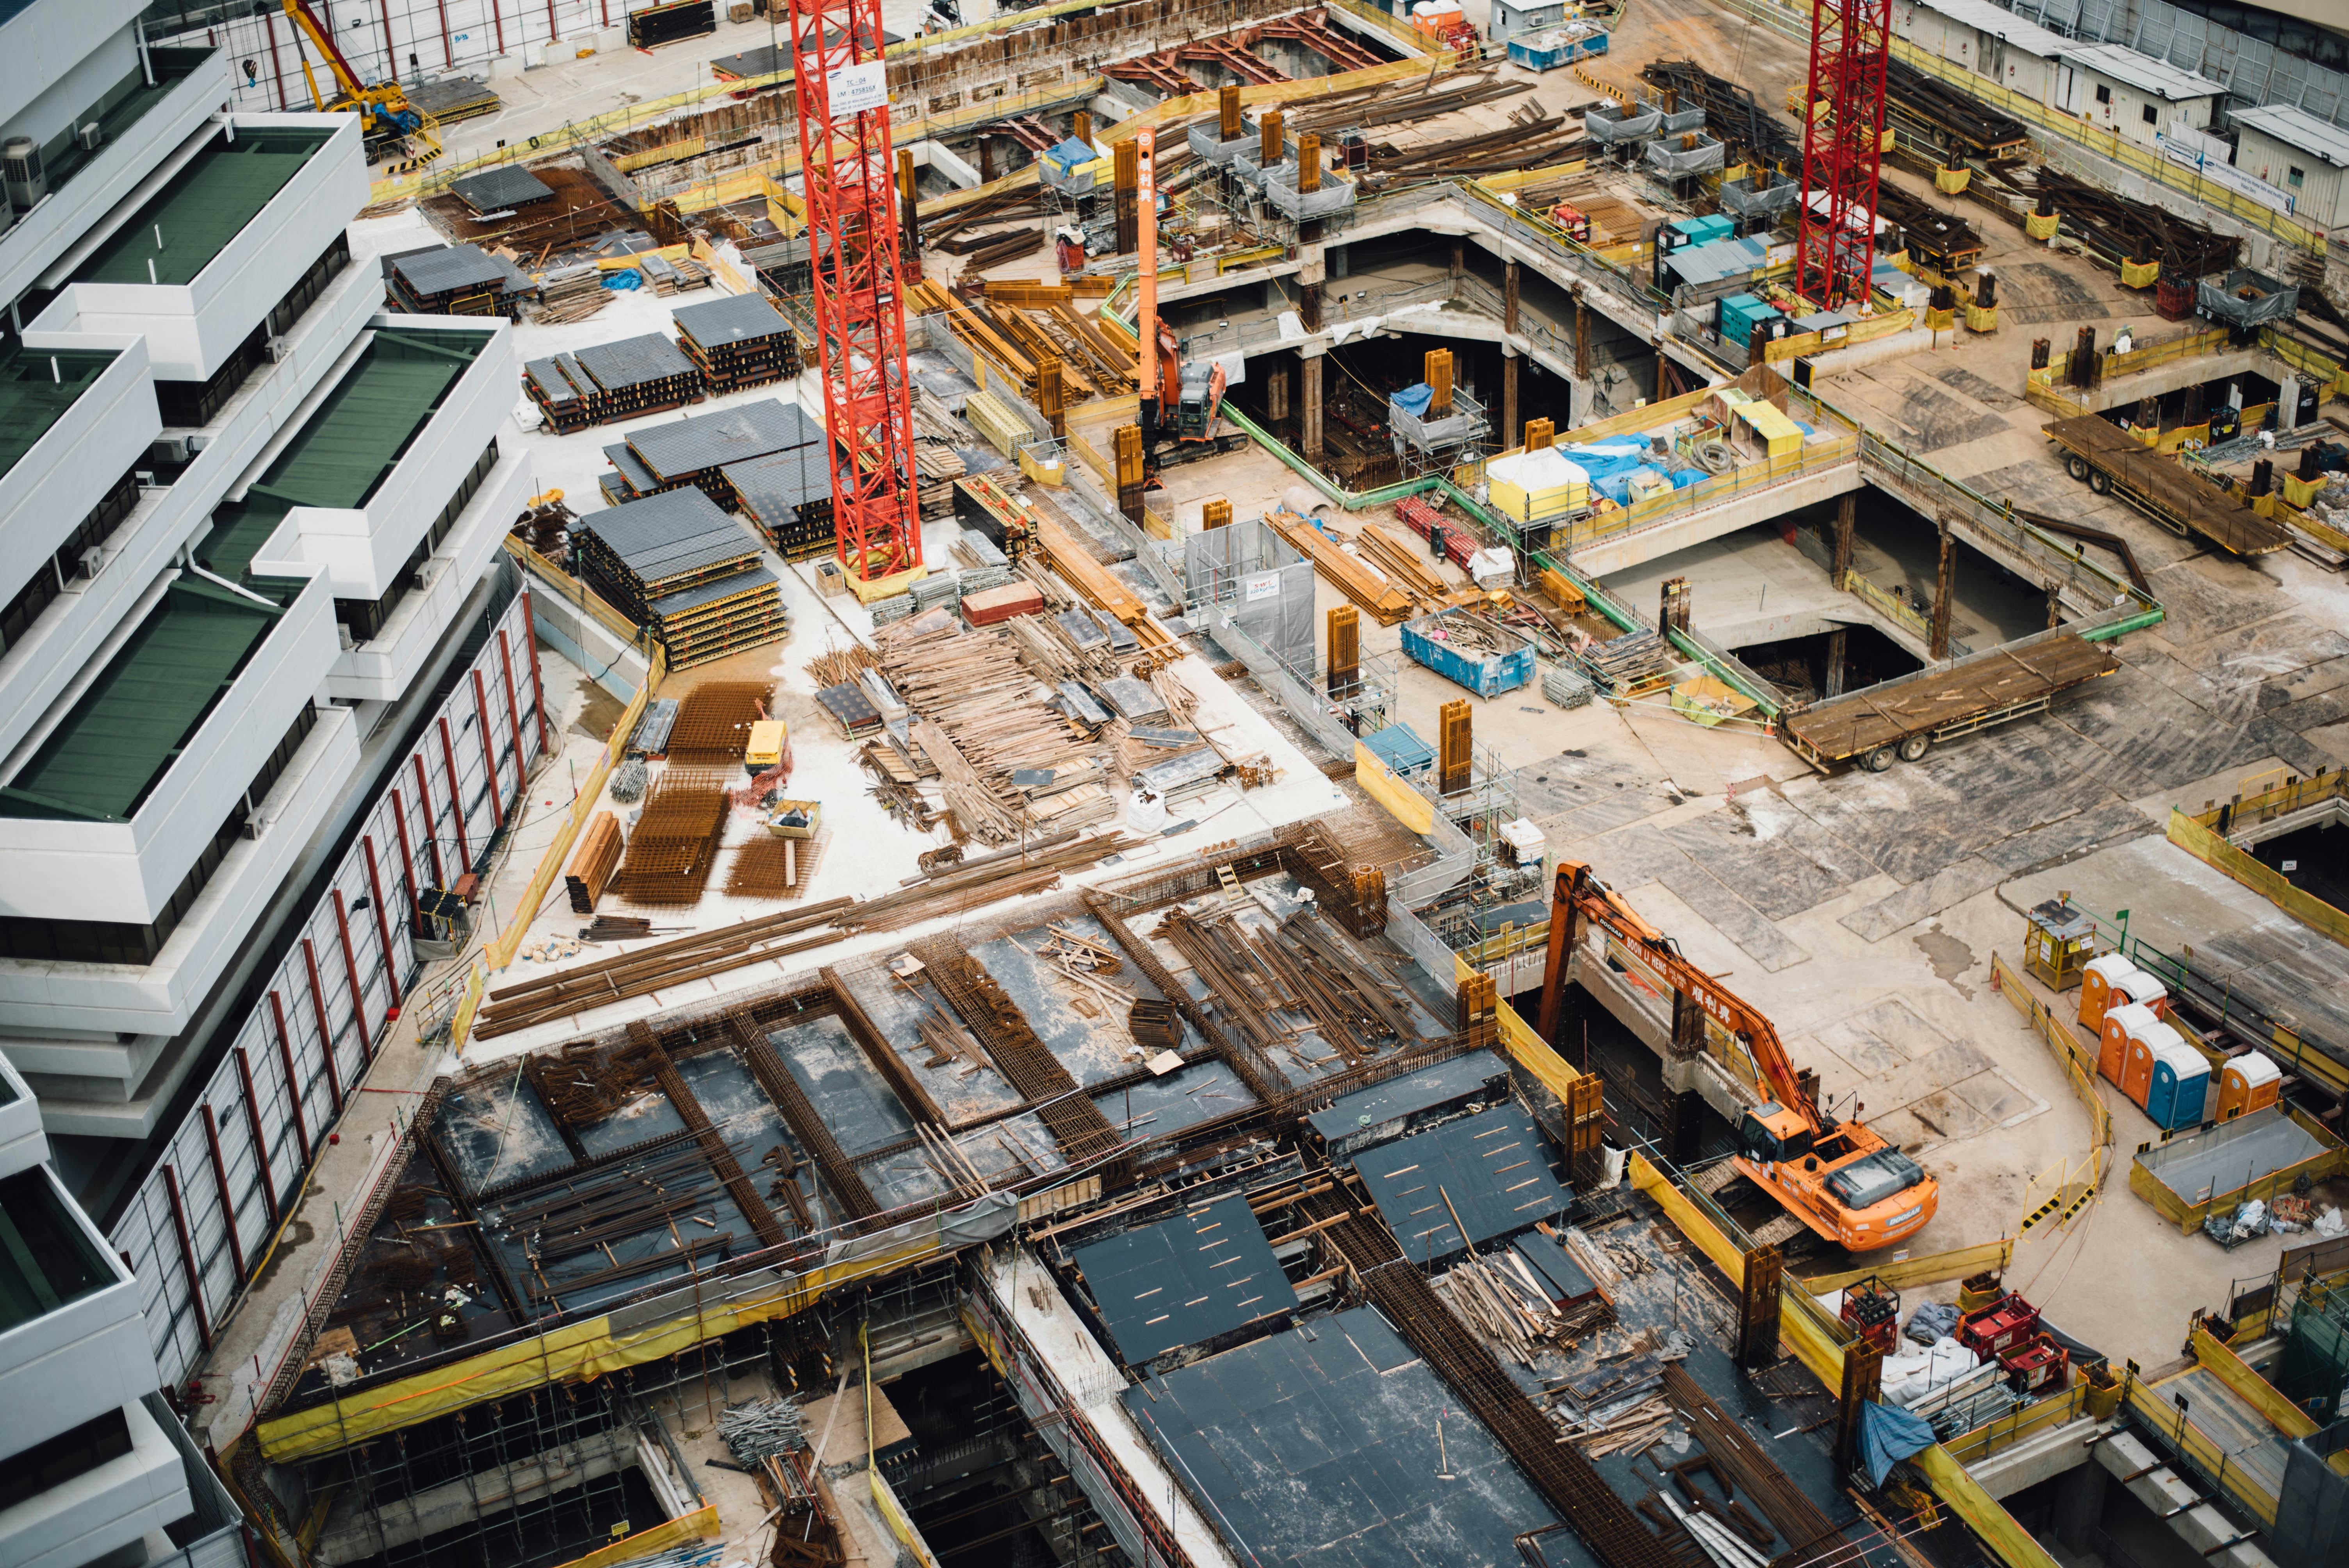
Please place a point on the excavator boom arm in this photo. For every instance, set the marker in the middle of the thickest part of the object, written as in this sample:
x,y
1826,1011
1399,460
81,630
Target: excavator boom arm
x,y
1579,893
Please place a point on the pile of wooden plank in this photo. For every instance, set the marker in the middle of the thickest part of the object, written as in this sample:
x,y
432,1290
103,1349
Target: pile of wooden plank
x,y
1359,581
1004,759
569,294
593,863
1632,665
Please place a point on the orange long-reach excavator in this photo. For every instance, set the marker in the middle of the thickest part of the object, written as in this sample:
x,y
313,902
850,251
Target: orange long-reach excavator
x,y
1837,1179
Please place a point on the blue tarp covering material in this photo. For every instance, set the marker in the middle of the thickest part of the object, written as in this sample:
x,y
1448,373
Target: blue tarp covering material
x,y
1683,477
1603,459
1070,153
1887,1436
1413,400
622,278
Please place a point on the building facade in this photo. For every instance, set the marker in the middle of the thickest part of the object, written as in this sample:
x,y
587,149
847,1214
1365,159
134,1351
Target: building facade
x,y
265,681
2299,154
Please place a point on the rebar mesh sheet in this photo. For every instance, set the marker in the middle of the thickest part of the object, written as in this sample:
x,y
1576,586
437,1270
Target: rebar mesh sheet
x,y
714,720
676,838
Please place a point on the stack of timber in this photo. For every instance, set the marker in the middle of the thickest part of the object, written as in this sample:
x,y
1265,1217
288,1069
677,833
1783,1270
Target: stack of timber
x,y
788,497
739,341
1005,759
1632,665
593,863
676,563
1359,581
698,450
623,380
571,294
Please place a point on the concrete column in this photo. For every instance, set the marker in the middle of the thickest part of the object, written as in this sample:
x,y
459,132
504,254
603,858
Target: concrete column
x,y
1338,261
1459,259
1510,296
1836,640
1684,1136
1945,581
2080,1506
1310,407
1509,363
1846,515
2054,605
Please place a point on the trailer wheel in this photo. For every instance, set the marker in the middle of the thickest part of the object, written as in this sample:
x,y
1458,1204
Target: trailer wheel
x,y
1913,748
2100,483
1877,760
2076,466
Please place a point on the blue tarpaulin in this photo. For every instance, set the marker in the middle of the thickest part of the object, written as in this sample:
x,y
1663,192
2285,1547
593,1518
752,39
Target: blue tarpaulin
x,y
1070,153
1887,1436
1683,477
1413,400
1602,460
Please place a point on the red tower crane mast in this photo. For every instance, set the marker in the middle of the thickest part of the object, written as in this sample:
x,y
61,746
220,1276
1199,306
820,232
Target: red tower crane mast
x,y
850,174
1843,146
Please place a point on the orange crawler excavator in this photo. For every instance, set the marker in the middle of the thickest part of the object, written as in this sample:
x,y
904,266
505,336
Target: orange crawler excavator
x,y
1837,1179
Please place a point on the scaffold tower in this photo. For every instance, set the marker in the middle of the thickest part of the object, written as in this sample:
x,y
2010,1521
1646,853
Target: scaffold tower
x,y
850,173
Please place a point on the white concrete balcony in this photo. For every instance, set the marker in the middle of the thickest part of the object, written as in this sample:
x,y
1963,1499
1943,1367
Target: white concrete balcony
x,y
199,256
104,809
88,1354
382,668
60,645
103,1509
75,413
158,999
354,489
141,130
22,1143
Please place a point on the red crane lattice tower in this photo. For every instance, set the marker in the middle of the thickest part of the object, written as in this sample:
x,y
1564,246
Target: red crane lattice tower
x,y
850,174
1843,146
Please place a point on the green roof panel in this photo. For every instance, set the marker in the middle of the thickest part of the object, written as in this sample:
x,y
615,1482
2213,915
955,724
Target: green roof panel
x,y
206,204
36,387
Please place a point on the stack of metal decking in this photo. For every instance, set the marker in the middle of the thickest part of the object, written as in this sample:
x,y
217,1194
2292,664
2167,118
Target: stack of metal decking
x,y
698,452
676,563
455,279
789,496
623,380
739,341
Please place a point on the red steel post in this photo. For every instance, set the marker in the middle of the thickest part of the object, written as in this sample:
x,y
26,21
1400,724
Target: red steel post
x,y
219,1180
351,973
537,683
260,1144
424,798
293,1079
457,797
188,1258
490,749
325,1035
382,921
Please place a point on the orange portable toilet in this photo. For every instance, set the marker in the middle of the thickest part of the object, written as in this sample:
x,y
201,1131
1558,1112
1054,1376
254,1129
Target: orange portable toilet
x,y
2098,980
2148,1040
2139,986
2247,1083
2112,1040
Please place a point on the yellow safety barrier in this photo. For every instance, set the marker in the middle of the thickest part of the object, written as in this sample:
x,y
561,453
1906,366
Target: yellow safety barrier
x,y
2209,847
2177,1430
1983,1513
1972,1447
1816,457
2079,1061
1382,784
1935,1268
701,1524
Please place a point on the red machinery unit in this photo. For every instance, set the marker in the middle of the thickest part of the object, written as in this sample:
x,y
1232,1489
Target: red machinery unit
x,y
2005,1324
1573,220
1872,1310
843,83
1843,147
2036,1366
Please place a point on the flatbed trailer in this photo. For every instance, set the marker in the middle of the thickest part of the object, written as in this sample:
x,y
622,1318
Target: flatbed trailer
x,y
1903,718
2102,456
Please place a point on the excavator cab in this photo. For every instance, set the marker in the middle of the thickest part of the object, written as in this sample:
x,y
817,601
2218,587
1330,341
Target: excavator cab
x,y
1865,1184
1770,1133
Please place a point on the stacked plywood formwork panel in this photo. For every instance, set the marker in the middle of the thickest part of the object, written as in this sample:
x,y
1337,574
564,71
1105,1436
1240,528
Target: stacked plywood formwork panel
x,y
738,341
698,450
623,380
677,564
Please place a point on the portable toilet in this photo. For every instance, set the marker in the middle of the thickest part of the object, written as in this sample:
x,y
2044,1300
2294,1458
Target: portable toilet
x,y
2250,1082
2112,1037
2096,983
2148,1037
2144,989
2180,1082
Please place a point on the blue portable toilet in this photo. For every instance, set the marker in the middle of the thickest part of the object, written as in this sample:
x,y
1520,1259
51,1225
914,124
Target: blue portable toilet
x,y
2182,1076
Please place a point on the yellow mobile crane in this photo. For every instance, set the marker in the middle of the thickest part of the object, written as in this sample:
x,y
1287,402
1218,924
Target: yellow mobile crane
x,y
389,118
